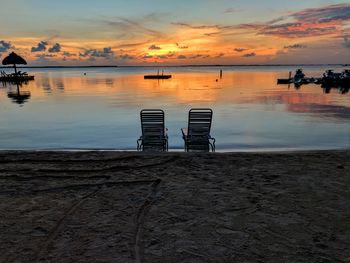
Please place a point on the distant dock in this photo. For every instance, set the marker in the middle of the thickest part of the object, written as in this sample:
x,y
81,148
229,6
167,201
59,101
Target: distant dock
x,y
300,81
157,76
16,78
329,78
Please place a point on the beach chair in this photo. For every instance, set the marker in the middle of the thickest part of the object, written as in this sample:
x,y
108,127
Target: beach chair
x,y
197,134
154,134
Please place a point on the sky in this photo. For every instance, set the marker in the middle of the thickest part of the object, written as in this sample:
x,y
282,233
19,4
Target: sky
x,y
181,32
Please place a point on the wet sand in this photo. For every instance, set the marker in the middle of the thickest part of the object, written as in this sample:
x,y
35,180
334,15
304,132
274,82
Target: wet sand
x,y
174,207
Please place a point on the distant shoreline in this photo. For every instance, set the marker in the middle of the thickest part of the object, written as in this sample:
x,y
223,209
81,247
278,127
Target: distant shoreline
x,y
183,66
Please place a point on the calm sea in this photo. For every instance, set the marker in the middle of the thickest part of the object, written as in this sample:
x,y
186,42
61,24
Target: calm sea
x,y
65,109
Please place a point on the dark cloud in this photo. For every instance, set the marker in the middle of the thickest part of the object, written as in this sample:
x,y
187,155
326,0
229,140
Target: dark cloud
x,y
326,14
154,47
308,22
181,57
167,56
130,27
195,56
45,55
249,55
106,52
126,57
220,55
171,54
128,45
297,30
4,46
40,47
55,48
181,46
164,56
191,26
326,20
231,10
276,20
295,46
213,34
240,49
214,30
218,27
67,54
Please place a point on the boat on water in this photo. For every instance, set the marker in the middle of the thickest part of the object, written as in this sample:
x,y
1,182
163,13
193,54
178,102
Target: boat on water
x,y
329,78
299,75
298,79
345,75
332,78
157,76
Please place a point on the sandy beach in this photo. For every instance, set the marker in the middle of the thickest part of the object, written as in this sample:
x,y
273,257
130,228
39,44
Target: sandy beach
x,y
174,207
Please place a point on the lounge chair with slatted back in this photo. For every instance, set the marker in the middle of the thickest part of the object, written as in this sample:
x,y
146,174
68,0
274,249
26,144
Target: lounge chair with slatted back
x,y
154,134
197,134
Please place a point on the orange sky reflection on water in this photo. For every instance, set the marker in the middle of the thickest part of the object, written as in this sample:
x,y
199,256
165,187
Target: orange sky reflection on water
x,y
185,88
250,110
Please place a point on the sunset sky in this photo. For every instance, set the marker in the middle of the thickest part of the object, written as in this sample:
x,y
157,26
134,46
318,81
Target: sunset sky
x,y
181,32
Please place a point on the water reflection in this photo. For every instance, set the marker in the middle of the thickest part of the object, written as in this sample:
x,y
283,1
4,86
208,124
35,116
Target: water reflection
x,y
341,89
186,88
327,87
50,83
335,112
59,84
101,109
19,97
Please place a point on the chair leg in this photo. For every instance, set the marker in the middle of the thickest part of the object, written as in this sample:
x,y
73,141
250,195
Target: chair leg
x,y
139,144
212,145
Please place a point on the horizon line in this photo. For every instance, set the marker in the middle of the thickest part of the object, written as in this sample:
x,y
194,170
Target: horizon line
x,y
174,66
